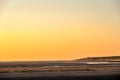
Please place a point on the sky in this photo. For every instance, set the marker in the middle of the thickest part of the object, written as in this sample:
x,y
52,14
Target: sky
x,y
58,29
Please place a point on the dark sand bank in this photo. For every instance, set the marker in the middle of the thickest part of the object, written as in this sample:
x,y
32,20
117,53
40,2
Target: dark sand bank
x,y
105,77
77,75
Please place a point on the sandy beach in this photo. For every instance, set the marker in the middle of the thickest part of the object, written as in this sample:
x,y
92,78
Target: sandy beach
x,y
71,75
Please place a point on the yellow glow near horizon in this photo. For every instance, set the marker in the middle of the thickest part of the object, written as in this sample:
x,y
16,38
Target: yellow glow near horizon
x,y
58,29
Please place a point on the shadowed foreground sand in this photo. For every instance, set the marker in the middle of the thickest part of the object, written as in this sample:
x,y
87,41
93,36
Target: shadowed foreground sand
x,y
72,75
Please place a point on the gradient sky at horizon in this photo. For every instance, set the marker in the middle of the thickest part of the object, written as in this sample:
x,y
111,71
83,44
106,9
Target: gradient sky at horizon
x,y
58,29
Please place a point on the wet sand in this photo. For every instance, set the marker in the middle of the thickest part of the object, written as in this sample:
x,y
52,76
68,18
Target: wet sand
x,y
71,75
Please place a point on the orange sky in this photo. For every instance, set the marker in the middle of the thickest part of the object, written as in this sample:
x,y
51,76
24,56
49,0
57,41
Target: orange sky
x,y
58,30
